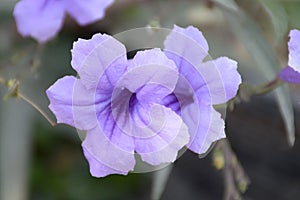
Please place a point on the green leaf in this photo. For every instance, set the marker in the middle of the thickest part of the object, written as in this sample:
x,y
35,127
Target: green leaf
x,y
229,4
292,8
160,179
251,36
278,16
286,109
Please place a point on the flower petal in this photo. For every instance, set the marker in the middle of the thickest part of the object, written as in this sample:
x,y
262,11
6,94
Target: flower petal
x,y
171,101
40,19
187,43
82,48
100,148
289,75
218,79
88,11
72,104
103,63
221,78
205,126
294,50
170,135
153,73
98,169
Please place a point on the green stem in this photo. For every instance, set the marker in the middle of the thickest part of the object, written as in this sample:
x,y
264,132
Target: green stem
x,y
269,87
245,91
16,93
22,96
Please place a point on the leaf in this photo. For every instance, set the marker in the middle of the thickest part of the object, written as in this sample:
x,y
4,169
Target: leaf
x,y
278,16
230,4
251,36
160,179
286,109
292,8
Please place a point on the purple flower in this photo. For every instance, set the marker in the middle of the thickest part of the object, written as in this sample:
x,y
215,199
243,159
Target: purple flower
x,y
291,73
42,19
153,105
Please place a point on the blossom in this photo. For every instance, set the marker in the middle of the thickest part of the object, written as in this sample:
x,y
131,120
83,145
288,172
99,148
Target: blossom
x,y
152,105
291,73
42,19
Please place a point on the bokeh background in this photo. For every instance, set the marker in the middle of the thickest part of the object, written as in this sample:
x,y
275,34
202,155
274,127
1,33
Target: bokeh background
x,y
38,161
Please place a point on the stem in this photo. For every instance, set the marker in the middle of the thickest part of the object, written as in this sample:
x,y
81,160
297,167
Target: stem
x,y
235,179
36,107
245,91
17,93
270,86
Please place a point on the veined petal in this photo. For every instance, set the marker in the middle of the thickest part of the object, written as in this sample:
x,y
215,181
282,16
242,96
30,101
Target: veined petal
x,y
205,126
155,76
182,96
187,43
82,48
40,19
221,78
88,11
289,75
97,168
217,79
167,139
72,104
100,150
103,63
294,50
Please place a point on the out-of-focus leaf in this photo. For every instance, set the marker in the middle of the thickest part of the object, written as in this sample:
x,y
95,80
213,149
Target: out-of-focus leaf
x,y
292,8
229,4
160,179
278,16
251,36
286,109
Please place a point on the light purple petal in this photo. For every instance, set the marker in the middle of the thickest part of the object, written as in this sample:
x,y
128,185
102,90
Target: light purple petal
x,y
294,50
170,135
289,75
103,63
88,11
187,43
98,169
217,79
171,101
82,48
209,83
99,148
195,108
72,104
205,126
222,79
40,19
153,73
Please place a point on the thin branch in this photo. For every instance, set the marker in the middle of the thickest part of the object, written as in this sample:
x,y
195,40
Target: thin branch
x,y
246,91
20,95
235,178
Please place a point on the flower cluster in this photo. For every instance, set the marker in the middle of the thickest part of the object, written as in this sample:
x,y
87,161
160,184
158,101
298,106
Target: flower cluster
x,y
153,105
42,19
